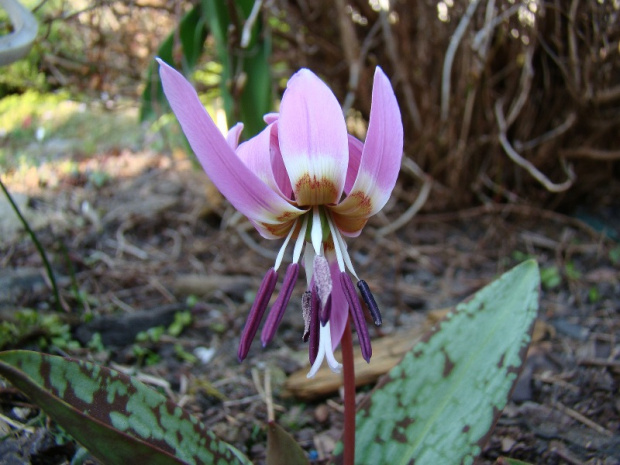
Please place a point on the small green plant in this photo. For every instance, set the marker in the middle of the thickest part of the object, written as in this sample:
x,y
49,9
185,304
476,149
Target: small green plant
x,y
571,272
594,295
550,277
153,334
96,343
519,256
184,355
31,326
145,356
181,321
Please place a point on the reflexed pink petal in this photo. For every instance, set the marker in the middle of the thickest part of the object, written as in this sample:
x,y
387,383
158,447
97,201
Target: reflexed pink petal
x,y
355,155
233,135
270,118
313,139
380,161
235,181
259,154
277,163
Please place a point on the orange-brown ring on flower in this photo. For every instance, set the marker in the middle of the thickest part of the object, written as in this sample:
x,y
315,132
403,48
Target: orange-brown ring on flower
x,y
349,224
279,229
313,191
356,204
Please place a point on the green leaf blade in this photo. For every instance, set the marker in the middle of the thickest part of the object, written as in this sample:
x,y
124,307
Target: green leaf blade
x,y
117,418
282,449
439,404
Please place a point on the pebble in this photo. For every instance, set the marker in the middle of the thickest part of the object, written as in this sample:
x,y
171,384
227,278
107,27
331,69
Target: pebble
x,y
321,413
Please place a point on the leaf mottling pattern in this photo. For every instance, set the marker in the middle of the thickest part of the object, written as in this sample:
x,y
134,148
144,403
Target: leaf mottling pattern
x,y
440,402
117,418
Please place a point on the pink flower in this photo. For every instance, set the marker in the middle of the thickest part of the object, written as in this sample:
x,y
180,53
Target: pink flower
x,y
305,179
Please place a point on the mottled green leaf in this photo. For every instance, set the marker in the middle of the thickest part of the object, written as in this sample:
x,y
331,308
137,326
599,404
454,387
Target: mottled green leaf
x,y
439,404
282,449
117,418
183,47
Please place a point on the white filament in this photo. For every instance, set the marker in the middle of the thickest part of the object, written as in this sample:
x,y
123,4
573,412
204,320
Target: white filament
x,y
301,238
332,230
345,254
283,248
316,234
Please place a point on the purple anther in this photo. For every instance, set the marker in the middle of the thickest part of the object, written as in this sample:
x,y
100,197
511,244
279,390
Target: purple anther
x,y
306,311
357,314
313,346
370,301
256,312
326,311
277,311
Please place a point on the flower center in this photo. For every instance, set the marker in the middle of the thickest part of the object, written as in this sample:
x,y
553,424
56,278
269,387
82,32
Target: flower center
x,y
317,236
310,190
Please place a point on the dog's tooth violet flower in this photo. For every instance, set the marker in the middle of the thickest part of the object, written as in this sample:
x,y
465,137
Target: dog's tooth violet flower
x,y
306,180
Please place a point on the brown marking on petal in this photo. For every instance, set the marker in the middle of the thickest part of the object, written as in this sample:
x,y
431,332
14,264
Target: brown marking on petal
x,y
348,224
286,216
313,191
364,203
279,229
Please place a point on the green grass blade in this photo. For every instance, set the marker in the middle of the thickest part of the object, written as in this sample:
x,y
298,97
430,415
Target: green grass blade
x,y
439,404
37,244
117,418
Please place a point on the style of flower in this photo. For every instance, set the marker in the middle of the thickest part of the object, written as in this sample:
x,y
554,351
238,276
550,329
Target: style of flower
x,y
303,179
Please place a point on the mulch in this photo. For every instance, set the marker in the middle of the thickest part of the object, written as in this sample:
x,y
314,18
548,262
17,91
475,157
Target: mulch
x,y
156,239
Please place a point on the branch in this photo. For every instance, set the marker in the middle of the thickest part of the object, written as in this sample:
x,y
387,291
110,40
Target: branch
x,y
450,53
525,84
351,48
396,60
547,136
415,206
592,154
525,164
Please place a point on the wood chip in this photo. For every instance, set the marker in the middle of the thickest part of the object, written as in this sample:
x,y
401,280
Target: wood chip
x,y
386,353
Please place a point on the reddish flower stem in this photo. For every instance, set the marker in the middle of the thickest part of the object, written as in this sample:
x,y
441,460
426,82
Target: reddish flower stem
x,y
348,374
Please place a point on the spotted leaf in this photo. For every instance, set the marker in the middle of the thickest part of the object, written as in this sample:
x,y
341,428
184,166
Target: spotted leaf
x,y
117,418
439,404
